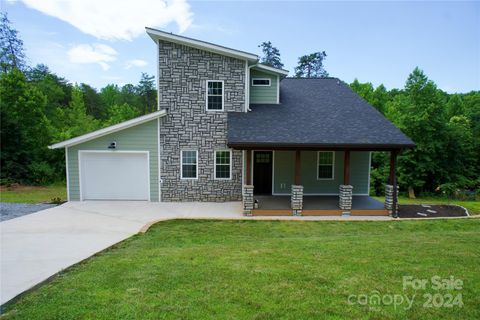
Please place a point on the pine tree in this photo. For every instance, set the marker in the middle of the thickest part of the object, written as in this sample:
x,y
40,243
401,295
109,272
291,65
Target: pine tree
x,y
271,55
11,47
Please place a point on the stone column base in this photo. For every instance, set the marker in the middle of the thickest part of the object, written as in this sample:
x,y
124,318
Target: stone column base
x,y
345,198
247,200
297,200
389,197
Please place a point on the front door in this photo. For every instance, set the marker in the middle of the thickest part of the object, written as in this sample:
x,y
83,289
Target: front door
x,y
262,172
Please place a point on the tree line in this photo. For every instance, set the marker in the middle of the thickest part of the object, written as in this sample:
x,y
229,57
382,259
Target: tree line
x,y
39,108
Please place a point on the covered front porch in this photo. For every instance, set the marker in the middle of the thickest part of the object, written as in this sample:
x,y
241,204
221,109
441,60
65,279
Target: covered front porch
x,y
269,205
310,182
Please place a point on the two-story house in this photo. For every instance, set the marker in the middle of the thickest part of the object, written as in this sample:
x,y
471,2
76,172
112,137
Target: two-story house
x,y
228,128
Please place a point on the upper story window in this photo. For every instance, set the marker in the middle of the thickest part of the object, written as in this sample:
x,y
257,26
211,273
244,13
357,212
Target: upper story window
x,y
223,168
214,95
325,165
261,82
189,160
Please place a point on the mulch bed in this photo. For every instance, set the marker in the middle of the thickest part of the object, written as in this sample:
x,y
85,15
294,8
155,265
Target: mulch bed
x,y
430,211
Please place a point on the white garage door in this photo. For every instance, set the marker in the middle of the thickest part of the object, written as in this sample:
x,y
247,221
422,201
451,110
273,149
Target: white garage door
x,y
114,175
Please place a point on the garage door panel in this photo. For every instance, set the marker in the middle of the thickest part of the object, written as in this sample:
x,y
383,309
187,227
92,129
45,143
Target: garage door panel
x,y
114,176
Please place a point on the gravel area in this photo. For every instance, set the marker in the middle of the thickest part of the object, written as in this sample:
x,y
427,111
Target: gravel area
x,y
10,210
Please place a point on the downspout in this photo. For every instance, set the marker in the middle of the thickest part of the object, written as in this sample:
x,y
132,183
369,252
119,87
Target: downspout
x,y
248,86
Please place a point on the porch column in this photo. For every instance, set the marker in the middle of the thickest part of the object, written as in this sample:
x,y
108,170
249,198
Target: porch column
x,y
391,188
248,188
346,190
297,188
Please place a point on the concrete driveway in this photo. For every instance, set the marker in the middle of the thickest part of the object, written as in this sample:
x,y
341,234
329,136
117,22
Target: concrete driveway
x,y
36,246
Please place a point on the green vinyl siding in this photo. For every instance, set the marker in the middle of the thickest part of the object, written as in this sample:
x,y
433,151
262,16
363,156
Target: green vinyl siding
x,y
284,171
263,94
143,137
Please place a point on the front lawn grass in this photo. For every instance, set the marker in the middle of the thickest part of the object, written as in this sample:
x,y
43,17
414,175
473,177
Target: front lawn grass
x,y
201,269
33,194
473,207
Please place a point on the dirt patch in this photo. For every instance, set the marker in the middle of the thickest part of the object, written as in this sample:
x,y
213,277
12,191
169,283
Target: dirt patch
x,y
430,211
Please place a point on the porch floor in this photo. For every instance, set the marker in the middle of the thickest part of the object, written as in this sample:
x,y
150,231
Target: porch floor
x,y
317,202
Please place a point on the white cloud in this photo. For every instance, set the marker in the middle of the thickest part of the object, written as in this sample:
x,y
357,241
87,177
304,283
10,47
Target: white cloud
x,y
116,19
96,53
135,63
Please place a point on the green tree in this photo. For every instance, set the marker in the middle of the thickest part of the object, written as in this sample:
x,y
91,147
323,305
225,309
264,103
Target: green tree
x,y
419,113
460,153
93,102
56,89
24,130
271,55
11,46
147,93
110,95
455,106
75,119
311,66
119,113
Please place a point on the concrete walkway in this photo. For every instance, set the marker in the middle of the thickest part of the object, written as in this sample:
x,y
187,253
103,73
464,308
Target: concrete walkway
x,y
36,246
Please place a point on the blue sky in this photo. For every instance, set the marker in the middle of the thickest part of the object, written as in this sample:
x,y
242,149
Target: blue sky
x,y
380,42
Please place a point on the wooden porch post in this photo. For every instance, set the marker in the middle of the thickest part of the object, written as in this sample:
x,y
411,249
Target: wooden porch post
x,y
393,181
297,168
346,168
249,167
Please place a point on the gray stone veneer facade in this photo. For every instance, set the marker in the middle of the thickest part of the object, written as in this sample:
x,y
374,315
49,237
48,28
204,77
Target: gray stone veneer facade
x,y
183,72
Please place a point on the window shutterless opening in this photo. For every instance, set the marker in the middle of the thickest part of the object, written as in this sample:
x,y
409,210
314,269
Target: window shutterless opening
x,y
325,165
215,95
189,161
261,82
223,164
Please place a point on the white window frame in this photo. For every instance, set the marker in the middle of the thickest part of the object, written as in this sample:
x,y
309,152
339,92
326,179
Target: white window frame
x,y
333,165
262,85
181,164
206,96
215,164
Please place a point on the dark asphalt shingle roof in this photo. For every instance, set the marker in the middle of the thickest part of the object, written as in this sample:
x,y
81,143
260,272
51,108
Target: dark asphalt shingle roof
x,y
315,112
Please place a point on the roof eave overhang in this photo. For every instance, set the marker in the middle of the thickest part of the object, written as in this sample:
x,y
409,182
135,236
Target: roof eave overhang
x,y
336,147
271,69
202,45
108,130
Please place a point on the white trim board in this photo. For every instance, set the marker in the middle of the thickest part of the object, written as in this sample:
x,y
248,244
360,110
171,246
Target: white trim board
x,y
198,44
67,174
102,132
271,69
